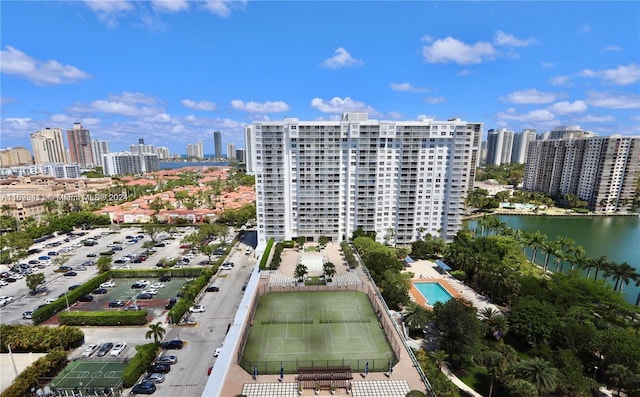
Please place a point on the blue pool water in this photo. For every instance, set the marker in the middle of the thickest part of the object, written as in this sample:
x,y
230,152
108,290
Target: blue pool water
x,y
433,292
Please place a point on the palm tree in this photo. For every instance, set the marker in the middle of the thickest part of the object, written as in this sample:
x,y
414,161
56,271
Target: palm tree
x,y
416,316
495,364
550,247
599,264
576,256
300,272
588,265
440,357
538,372
329,270
623,274
536,240
156,331
522,388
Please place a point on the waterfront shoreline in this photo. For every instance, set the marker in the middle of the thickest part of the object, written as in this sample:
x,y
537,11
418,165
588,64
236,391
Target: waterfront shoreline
x,y
551,212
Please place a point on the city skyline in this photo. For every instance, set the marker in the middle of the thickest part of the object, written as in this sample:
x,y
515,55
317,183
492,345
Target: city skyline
x,y
220,66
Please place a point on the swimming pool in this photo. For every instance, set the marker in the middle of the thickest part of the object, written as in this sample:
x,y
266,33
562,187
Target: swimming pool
x,y
433,292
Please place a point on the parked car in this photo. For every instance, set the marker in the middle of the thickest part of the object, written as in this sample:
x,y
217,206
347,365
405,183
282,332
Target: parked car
x,y
138,286
168,359
116,304
145,295
165,279
216,353
117,349
72,287
156,286
159,368
108,284
132,307
63,269
89,350
173,344
70,274
172,302
197,309
28,315
144,388
86,298
92,255
154,378
104,349
212,288
225,267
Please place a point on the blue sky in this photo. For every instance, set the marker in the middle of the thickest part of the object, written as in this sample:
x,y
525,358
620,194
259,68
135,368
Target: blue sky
x,y
173,72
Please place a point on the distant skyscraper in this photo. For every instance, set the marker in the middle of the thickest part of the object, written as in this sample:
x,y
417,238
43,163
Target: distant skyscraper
x,y
141,148
195,150
125,163
248,146
569,131
99,149
15,156
48,146
79,140
521,144
240,155
499,143
599,170
217,143
231,151
163,152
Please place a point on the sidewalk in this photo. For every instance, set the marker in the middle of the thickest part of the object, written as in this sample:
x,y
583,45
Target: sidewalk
x,y
461,385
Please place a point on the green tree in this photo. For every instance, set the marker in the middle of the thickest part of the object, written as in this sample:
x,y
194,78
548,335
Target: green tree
x,y
154,230
300,240
329,270
300,271
416,316
536,241
623,274
532,321
103,264
208,250
394,287
540,373
33,280
60,260
156,331
323,240
459,329
496,365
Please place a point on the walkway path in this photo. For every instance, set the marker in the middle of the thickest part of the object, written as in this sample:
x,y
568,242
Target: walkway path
x,y
461,385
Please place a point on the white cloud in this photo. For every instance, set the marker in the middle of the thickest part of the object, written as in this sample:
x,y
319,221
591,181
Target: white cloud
x,y
201,105
595,119
108,11
125,104
612,48
560,80
339,105
530,96
406,87
51,72
134,97
453,50
613,101
566,107
395,116
533,117
257,107
222,8
170,5
505,39
19,123
341,59
622,75
465,72
433,100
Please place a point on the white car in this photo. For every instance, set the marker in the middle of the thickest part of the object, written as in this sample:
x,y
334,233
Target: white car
x,y
49,301
156,285
117,349
225,267
108,284
196,309
190,256
143,282
216,353
92,348
151,291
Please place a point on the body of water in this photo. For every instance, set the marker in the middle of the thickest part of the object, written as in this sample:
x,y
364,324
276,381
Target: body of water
x,y
172,165
616,237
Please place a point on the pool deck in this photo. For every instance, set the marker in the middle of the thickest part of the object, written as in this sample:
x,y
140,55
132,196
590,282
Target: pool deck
x,y
419,298
425,270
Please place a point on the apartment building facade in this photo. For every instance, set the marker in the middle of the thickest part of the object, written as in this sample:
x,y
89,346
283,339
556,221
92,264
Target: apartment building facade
x,y
80,148
401,179
15,156
126,163
599,170
99,148
48,146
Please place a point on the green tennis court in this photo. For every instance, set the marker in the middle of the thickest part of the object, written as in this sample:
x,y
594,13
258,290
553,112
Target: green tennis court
x,y
315,329
85,373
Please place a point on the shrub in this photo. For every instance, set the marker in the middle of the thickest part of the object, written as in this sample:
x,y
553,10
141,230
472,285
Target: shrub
x,y
138,364
191,290
45,367
348,255
288,244
277,257
107,253
30,338
104,318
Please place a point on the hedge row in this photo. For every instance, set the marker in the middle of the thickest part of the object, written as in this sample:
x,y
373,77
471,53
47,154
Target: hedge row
x,y
156,273
277,257
190,291
45,367
139,364
288,244
348,255
104,318
45,312
265,254
27,338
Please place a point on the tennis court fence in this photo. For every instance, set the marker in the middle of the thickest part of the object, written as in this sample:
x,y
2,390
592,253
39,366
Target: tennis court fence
x,y
358,365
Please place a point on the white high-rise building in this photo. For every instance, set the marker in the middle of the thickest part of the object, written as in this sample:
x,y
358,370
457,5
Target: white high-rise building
x,y
499,144
163,152
400,179
99,149
231,151
126,163
142,148
521,144
599,170
195,150
48,146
